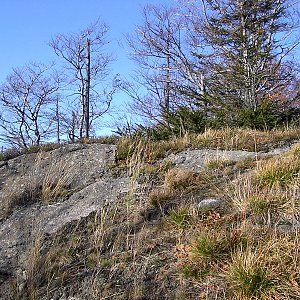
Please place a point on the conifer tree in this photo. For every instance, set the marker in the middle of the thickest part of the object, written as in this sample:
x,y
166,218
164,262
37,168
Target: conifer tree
x,y
249,49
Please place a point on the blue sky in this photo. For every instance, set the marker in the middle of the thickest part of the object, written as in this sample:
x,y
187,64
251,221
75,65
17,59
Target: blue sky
x,y
27,26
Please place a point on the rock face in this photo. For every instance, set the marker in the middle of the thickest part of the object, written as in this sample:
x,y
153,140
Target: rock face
x,y
83,168
41,193
196,160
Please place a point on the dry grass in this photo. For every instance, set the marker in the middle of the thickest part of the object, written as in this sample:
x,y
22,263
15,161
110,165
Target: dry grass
x,y
54,263
14,152
160,196
43,183
180,179
253,263
227,139
246,139
176,183
271,191
56,183
282,171
268,269
18,191
216,164
246,249
184,253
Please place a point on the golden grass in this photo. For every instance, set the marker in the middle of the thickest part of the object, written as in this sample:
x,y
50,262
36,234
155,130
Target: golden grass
x,y
279,171
56,183
44,183
180,179
17,192
238,254
160,196
227,139
270,191
215,164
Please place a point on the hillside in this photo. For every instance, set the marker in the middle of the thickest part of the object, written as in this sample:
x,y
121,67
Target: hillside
x,y
209,216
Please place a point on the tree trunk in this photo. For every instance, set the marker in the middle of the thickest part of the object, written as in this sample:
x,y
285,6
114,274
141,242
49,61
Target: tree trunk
x,y
83,109
167,85
57,121
87,89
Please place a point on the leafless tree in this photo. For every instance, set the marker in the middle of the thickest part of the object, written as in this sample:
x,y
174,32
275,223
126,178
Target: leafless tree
x,y
159,47
27,99
86,67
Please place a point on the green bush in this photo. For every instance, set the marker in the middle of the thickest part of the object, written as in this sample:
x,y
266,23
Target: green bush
x,y
186,120
218,115
266,116
183,120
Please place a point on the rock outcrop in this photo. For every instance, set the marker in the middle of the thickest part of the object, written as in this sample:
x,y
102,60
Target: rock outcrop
x,y
83,169
43,193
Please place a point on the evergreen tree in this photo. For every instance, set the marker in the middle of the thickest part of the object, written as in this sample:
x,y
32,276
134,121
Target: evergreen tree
x,y
247,49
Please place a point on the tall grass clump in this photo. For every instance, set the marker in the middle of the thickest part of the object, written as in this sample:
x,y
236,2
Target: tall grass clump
x,y
180,218
248,275
267,269
180,179
282,171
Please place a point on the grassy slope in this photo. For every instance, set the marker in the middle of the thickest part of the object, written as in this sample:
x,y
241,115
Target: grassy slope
x,y
156,244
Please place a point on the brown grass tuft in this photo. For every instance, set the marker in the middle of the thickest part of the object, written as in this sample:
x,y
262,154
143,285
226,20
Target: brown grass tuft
x,y
180,179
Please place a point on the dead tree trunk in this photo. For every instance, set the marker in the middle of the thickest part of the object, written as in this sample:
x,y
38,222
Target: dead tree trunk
x,y
87,89
57,118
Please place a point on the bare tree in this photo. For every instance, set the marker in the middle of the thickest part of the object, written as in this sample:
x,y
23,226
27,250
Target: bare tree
x,y
159,47
27,99
86,66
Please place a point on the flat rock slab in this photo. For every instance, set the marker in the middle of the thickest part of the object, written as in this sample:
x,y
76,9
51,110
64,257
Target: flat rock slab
x,y
196,160
75,166
21,228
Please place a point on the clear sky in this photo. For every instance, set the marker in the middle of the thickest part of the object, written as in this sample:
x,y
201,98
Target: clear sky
x,y
27,26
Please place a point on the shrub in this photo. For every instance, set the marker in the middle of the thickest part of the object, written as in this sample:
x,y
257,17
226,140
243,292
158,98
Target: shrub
x,y
185,120
174,124
266,116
